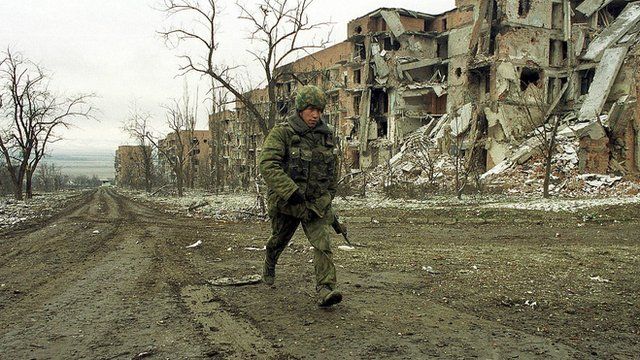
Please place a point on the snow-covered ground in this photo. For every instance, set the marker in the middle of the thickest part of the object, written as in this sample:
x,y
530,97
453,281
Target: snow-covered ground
x,y
41,206
245,206
240,206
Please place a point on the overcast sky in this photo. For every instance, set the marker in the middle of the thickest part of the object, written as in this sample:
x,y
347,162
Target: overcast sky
x,y
111,48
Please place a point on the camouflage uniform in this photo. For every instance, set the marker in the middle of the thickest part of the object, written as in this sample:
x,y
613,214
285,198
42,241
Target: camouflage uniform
x,y
294,158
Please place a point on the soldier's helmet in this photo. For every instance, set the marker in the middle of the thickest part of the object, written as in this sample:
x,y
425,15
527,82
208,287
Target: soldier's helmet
x,y
310,95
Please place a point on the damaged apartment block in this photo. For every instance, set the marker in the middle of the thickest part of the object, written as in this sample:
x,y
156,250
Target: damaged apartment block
x,y
477,80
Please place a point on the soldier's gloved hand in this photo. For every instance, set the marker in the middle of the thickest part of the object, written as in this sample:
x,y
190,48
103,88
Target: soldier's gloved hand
x,y
296,198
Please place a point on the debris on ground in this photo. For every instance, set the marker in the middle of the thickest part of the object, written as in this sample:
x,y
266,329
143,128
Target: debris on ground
x,y
239,281
194,245
42,206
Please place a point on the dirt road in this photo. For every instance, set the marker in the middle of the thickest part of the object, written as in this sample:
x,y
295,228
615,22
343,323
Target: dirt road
x,y
109,278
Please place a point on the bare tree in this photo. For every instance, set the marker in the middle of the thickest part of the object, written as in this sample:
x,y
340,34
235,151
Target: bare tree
x,y
137,126
33,114
178,147
540,115
276,27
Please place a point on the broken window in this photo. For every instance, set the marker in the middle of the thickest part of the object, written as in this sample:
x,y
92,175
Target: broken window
x,y
356,104
444,24
358,29
379,102
428,103
523,7
427,24
389,45
359,50
557,52
529,76
586,78
554,85
615,8
357,76
443,47
577,17
382,126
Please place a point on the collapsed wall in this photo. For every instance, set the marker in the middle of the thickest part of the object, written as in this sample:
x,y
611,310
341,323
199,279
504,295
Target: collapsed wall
x,y
485,74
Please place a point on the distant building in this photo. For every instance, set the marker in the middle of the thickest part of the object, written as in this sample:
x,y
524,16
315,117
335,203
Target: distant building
x,y
130,166
478,78
195,151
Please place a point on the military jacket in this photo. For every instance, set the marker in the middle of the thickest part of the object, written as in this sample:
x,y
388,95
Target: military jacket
x,y
294,157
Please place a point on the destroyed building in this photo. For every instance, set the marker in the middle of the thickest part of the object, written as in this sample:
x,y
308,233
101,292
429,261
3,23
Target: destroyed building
x,y
130,165
192,146
234,141
478,80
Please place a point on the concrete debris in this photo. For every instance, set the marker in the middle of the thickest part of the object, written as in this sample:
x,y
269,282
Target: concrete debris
x,y
346,248
381,67
599,279
588,7
610,35
594,130
476,81
462,121
603,80
598,180
393,22
236,281
39,208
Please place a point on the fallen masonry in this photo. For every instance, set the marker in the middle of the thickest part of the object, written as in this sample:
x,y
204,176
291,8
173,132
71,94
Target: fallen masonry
x,y
476,81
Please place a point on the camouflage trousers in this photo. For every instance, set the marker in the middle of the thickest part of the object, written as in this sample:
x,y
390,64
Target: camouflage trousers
x,y
317,231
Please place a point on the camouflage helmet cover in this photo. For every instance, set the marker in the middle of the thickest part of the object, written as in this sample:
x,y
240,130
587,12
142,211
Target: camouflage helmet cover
x,y
310,95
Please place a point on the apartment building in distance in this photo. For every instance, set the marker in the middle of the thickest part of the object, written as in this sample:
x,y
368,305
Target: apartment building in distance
x,y
132,164
478,79
192,146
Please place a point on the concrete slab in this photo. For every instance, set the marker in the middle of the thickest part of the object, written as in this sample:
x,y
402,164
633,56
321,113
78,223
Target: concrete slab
x,y
462,121
382,69
609,36
588,7
393,22
603,80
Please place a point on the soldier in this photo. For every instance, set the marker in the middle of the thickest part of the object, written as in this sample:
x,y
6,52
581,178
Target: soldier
x,y
298,164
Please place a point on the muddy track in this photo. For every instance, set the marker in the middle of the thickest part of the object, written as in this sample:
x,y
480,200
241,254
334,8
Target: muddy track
x,y
109,278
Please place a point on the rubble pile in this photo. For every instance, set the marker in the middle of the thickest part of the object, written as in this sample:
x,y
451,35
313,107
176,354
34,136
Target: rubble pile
x,y
40,207
419,164
201,204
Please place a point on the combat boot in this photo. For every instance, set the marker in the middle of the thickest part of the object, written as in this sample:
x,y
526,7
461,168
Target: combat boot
x,y
268,272
328,297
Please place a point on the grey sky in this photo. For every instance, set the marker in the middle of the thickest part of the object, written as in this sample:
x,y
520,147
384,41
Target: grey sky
x,y
111,48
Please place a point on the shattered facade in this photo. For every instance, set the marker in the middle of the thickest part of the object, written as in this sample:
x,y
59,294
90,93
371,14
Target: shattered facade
x,y
130,165
478,80
195,150
233,149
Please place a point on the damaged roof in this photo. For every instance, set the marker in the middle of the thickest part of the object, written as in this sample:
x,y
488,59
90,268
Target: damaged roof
x,y
400,11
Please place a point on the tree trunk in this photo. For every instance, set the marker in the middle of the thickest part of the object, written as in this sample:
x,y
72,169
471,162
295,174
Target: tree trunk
x,y
180,182
17,186
549,157
29,184
547,176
